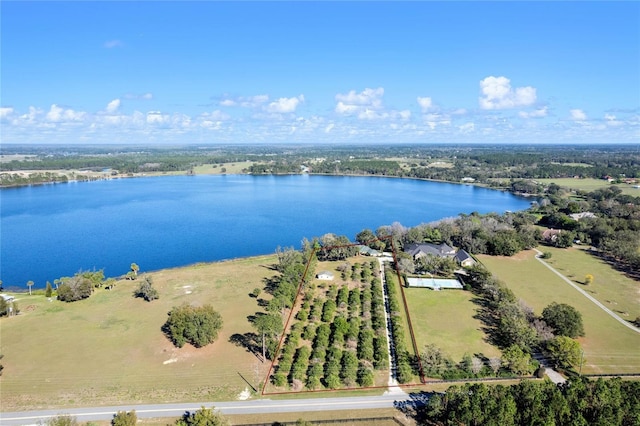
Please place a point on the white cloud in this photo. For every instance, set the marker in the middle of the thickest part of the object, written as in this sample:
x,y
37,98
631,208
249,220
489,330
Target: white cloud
x,y
216,115
156,117
611,120
467,127
245,101
110,44
538,113
578,115
497,93
284,105
329,128
425,103
60,114
368,97
5,112
360,103
342,108
145,96
113,106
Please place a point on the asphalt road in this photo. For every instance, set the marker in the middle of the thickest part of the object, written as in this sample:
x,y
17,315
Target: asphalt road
x,y
232,407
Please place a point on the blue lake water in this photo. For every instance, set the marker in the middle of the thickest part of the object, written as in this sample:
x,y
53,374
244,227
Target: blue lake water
x,y
51,231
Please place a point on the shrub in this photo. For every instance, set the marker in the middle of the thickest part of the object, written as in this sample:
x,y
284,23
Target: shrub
x,y
124,418
146,290
196,325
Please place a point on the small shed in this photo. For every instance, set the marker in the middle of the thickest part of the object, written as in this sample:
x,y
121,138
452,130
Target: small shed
x,y
325,276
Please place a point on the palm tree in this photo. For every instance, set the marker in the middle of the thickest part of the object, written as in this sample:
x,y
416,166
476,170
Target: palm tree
x,y
30,284
135,268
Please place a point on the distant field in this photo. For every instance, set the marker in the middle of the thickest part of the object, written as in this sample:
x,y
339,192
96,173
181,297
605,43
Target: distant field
x,y
216,169
109,348
608,346
590,185
446,319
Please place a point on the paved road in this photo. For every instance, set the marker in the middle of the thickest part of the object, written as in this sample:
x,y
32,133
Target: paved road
x,y
587,295
233,407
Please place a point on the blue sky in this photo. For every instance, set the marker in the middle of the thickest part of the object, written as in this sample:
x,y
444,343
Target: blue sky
x,y
320,72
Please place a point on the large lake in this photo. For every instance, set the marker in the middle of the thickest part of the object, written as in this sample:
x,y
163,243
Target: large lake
x,y
51,231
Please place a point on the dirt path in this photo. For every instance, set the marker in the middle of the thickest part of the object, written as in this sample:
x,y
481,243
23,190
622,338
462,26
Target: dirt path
x,y
587,295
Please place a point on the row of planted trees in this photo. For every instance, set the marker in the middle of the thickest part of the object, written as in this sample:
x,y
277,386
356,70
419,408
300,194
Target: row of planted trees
x,y
339,338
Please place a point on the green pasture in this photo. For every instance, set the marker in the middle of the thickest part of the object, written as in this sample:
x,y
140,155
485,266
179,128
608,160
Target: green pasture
x,y
446,318
609,347
614,289
109,349
216,169
590,184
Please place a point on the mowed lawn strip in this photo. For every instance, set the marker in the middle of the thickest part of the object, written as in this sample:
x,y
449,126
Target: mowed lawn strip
x,y
609,347
446,319
110,349
612,288
590,185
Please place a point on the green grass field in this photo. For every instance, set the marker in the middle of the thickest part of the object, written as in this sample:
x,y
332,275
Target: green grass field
x,y
446,319
615,290
109,348
609,347
230,168
590,185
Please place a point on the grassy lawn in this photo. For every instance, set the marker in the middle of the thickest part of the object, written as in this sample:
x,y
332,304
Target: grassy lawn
x,y
109,348
590,185
446,319
216,169
615,290
609,347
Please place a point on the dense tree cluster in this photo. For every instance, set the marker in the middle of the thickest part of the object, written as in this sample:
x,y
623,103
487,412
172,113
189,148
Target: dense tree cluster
x,y
579,401
80,286
198,325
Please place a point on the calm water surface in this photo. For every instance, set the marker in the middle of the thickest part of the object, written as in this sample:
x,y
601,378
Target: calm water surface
x,y
51,231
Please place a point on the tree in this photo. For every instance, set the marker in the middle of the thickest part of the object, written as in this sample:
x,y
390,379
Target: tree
x,y
564,319
146,290
256,292
134,269
202,417
124,418
196,325
30,284
517,361
588,279
49,290
565,351
78,287
268,325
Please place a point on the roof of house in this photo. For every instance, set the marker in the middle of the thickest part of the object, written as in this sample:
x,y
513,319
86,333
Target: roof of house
x,y
325,273
578,216
368,250
429,248
462,255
